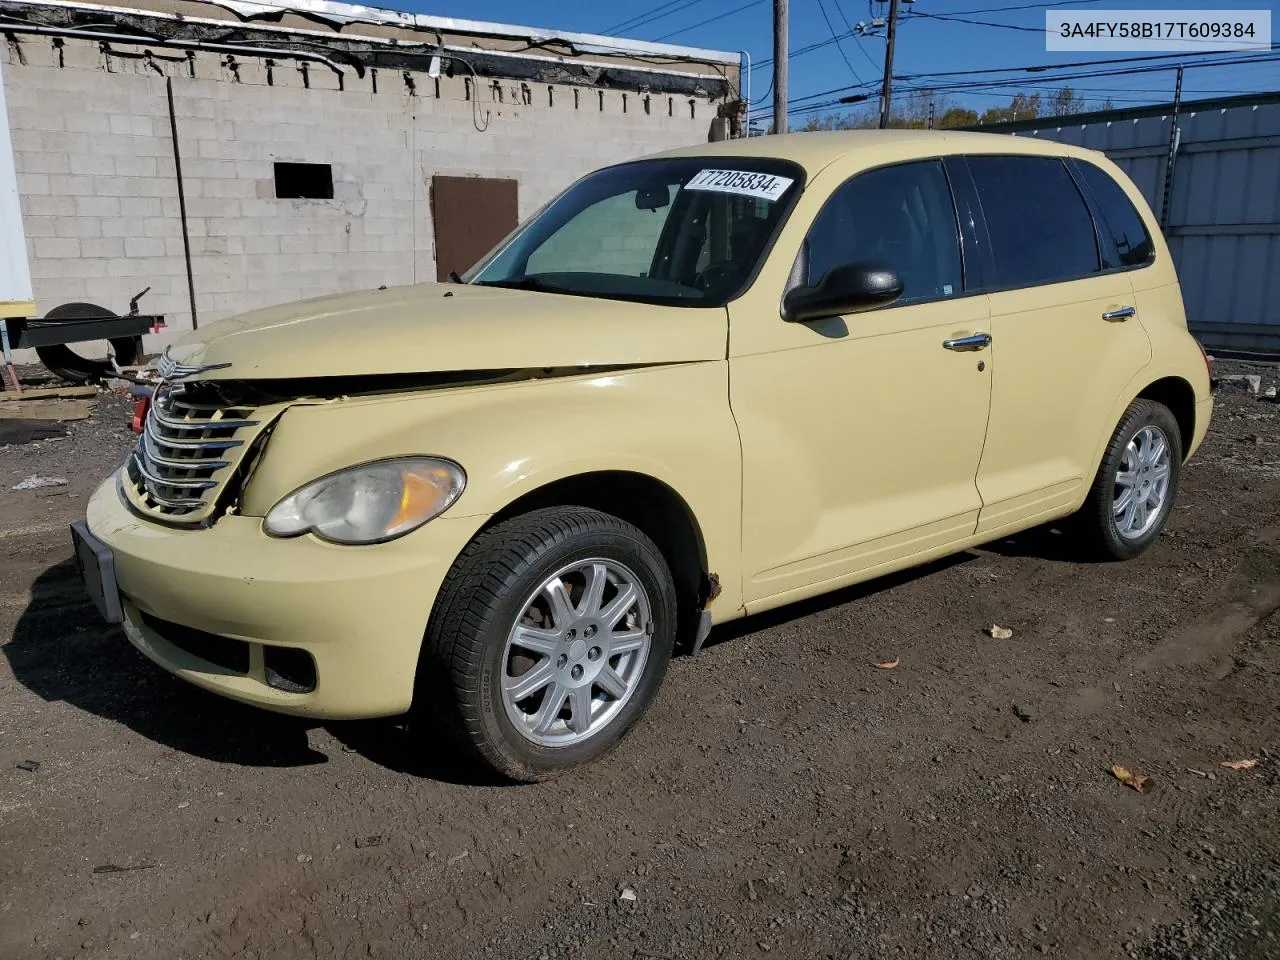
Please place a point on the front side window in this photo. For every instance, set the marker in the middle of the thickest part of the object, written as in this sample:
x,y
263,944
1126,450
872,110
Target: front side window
x,y
684,232
902,216
1040,228
1133,243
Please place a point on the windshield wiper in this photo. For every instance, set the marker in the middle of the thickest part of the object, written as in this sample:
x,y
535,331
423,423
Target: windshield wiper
x,y
524,283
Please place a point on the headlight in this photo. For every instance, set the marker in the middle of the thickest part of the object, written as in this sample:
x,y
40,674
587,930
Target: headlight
x,y
370,503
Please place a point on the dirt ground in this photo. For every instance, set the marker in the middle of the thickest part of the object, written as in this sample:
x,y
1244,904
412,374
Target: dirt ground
x,y
784,797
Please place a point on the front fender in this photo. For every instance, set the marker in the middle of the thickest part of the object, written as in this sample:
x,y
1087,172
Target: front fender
x,y
670,422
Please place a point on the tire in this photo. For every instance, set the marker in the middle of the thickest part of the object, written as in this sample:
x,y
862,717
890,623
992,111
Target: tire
x,y
1103,529
470,657
68,365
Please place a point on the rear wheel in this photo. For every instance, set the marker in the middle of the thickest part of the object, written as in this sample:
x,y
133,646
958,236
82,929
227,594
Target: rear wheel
x,y
550,638
1136,483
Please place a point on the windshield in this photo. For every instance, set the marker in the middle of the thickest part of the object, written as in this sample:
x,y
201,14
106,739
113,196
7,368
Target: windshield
x,y
686,232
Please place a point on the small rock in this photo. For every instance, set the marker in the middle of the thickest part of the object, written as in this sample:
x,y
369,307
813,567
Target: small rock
x,y
31,766
459,857
184,804
304,858
1249,383
219,819
35,482
764,945
1022,713
627,894
375,840
996,632
974,891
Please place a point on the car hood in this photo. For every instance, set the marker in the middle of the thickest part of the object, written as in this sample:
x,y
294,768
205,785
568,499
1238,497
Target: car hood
x,y
434,327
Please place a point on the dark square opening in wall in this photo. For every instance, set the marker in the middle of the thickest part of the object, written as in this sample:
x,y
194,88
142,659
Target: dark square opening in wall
x,y
304,181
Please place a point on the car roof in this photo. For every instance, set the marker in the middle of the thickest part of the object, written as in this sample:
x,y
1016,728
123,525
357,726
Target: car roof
x,y
814,150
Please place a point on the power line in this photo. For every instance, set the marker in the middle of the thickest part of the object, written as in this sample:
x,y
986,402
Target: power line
x,y
1013,82
703,23
654,13
1041,68
856,39
1023,6
832,30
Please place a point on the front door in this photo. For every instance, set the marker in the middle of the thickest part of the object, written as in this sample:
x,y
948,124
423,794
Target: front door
x,y
861,435
1065,341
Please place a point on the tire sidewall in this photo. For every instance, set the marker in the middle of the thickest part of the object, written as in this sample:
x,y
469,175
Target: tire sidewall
x,y
641,558
1154,416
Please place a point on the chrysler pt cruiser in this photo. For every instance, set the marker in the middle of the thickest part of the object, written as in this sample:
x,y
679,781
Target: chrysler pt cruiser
x,y
691,388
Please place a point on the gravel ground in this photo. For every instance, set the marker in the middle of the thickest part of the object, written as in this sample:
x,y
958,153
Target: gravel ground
x,y
783,798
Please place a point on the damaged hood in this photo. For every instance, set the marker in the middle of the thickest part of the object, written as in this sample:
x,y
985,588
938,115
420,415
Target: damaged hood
x,y
432,327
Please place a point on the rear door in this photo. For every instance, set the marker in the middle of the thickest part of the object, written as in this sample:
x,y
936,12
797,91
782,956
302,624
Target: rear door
x,y
1065,341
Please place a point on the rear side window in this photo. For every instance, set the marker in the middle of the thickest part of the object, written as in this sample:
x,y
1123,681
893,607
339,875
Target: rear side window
x,y
1133,243
1041,230
902,215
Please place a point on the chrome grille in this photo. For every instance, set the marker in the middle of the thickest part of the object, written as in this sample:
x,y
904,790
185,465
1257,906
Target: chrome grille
x,y
190,445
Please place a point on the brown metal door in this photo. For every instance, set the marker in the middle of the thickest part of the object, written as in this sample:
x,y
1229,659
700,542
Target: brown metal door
x,y
471,215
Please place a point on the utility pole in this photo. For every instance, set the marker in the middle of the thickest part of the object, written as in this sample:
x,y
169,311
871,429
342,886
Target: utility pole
x,y
886,92
780,44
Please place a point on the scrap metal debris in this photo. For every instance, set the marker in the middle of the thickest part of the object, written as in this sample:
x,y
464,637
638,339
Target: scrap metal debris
x,y
887,665
31,766
35,482
115,868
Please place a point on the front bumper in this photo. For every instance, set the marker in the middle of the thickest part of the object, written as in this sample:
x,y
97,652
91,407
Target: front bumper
x,y
360,612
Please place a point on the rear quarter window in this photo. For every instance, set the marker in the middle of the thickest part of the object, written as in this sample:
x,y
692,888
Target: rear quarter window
x,y
1133,246
1040,227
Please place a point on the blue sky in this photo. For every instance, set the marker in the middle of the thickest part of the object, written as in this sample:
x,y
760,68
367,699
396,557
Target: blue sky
x,y
924,45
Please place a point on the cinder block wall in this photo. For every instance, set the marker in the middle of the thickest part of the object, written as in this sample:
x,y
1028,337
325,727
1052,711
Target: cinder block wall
x,y
99,193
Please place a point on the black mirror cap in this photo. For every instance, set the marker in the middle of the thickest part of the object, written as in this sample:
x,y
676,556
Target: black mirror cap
x,y
849,288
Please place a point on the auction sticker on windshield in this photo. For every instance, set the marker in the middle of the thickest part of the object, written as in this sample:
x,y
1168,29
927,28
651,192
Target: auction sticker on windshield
x,y
744,183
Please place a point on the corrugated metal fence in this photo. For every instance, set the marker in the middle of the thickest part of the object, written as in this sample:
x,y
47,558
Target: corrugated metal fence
x,y
1223,222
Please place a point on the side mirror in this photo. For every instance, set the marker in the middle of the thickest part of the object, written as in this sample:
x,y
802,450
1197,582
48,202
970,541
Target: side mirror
x,y
845,289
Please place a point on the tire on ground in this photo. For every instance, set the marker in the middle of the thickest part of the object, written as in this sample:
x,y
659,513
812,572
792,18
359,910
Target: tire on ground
x,y
485,593
1096,521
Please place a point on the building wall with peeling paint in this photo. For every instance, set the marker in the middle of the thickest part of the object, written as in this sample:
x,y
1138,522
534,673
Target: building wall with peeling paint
x,y
99,189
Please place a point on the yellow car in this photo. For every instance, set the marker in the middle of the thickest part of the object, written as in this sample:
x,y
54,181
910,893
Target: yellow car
x,y
691,388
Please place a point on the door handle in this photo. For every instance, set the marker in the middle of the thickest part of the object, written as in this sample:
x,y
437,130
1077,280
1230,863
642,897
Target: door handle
x,y
1123,313
979,341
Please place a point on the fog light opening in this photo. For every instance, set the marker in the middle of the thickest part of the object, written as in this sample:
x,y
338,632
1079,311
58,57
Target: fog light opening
x,y
289,669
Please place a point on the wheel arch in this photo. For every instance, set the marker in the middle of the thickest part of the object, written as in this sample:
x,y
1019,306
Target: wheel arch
x,y
648,504
1178,395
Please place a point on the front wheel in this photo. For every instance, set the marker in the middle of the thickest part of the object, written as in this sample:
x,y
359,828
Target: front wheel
x,y
550,638
1136,483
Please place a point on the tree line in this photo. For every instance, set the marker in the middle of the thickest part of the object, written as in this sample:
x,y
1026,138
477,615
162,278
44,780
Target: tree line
x,y
921,106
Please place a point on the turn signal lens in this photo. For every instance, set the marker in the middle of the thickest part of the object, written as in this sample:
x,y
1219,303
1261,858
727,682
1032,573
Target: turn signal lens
x,y
369,503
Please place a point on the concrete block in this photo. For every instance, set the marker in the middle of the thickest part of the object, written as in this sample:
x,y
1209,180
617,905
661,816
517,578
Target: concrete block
x,y
104,247
57,248
136,208
78,226
143,247
102,206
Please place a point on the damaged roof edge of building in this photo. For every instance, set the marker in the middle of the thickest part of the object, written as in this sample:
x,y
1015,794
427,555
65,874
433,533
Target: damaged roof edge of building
x,y
394,39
